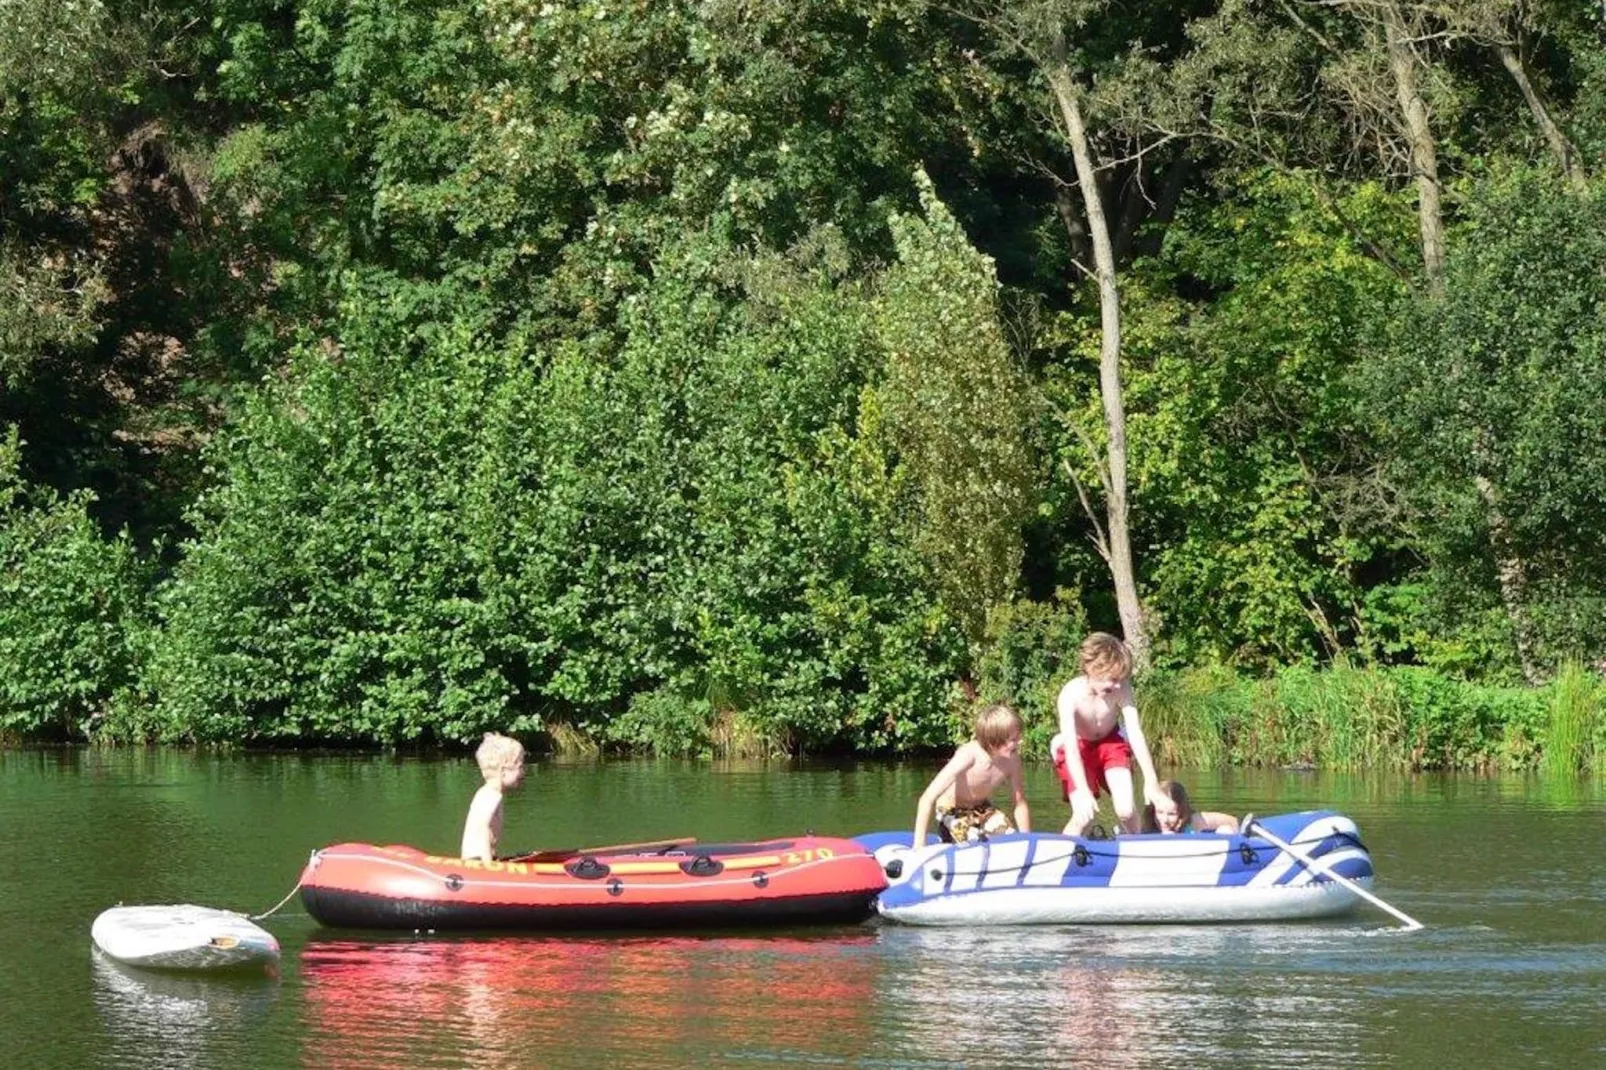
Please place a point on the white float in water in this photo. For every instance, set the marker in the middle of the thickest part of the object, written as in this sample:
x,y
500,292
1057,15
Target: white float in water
x,y
183,938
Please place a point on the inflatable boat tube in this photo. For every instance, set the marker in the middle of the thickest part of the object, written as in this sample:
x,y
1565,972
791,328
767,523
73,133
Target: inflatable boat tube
x,y
1037,878
809,880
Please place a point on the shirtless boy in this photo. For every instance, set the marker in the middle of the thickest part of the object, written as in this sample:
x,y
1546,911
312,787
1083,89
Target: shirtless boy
x,y
962,793
501,762
1099,737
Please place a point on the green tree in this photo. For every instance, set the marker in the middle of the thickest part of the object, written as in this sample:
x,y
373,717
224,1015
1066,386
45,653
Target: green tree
x,y
1493,394
956,411
1261,505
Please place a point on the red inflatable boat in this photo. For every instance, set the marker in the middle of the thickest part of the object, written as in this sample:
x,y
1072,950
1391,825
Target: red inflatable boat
x,y
808,880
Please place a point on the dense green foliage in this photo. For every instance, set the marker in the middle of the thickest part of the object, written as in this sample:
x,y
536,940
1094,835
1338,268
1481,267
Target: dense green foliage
x,y
1496,393
69,602
724,376
420,533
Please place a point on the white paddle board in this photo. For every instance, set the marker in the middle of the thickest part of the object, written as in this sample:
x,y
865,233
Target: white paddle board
x,y
183,938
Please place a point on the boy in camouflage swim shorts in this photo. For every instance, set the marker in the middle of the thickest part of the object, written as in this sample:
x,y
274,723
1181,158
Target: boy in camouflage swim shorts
x,y
961,794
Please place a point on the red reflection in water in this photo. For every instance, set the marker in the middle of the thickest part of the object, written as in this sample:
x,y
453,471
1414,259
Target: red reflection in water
x,y
644,1001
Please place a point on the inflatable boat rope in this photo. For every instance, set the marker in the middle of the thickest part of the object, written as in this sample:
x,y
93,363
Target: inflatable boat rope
x,y
288,896
319,856
1083,856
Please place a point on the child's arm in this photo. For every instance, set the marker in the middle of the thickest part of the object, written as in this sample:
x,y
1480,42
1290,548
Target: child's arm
x,y
1214,821
1083,805
963,759
478,840
1140,749
1023,812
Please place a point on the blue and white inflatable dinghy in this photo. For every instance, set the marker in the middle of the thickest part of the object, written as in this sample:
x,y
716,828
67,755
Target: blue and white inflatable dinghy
x,y
1042,878
183,937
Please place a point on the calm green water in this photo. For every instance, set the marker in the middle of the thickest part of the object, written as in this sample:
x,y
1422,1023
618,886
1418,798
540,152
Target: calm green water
x,y
1507,873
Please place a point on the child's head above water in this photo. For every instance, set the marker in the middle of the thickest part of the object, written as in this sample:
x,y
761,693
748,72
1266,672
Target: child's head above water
x,y
998,728
1178,816
501,759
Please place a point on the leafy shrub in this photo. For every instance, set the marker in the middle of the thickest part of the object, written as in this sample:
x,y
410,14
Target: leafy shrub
x,y
1030,652
69,601
419,533
665,723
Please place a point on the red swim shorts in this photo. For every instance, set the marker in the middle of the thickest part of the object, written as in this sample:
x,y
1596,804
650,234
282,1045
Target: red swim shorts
x,y
1111,752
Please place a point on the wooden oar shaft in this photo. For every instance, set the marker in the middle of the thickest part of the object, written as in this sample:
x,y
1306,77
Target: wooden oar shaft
x,y
1316,865
558,854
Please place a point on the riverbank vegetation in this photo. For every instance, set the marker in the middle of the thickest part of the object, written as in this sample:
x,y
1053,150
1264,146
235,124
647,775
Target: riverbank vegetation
x,y
761,378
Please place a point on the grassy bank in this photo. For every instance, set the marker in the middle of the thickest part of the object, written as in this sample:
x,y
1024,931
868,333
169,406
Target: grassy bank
x,y
1389,718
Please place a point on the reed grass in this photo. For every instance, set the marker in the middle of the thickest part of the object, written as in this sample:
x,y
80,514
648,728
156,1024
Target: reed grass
x,y
1186,715
1575,716
569,741
1339,718
737,734
1352,717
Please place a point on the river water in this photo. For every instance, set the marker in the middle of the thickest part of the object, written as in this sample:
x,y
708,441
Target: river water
x,y
1505,872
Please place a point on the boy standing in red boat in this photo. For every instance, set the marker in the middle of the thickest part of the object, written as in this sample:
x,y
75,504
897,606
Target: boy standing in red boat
x,y
962,793
501,762
1099,737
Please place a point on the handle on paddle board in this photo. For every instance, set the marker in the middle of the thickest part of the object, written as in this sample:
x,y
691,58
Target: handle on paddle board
x,y
1316,865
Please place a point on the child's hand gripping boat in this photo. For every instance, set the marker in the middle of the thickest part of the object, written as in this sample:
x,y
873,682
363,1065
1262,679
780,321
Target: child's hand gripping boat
x,y
810,879
1039,878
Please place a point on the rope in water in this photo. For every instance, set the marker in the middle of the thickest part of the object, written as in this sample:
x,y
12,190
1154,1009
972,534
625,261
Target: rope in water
x,y
275,908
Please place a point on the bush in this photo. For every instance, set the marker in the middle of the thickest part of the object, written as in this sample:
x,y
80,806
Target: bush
x,y
1030,652
68,609
667,724
420,534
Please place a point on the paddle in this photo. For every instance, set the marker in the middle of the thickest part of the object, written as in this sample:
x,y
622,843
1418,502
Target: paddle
x,y
1316,865
563,853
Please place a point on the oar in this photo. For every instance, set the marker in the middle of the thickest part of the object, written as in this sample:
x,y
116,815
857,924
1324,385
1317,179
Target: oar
x,y
559,854
1316,865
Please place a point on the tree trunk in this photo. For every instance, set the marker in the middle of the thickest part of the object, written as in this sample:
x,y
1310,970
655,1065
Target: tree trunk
x,y
1137,209
1424,154
1511,570
1075,230
1119,555
1132,202
1566,154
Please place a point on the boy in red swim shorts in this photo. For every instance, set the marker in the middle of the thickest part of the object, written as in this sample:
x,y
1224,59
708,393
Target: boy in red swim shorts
x,y
1098,711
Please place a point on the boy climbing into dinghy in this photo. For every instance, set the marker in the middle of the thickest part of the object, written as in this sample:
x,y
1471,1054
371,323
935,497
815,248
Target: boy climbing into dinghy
x,y
1100,735
501,762
961,794
1180,816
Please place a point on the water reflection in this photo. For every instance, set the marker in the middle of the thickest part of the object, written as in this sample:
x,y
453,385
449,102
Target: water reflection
x,y
1131,996
180,1020
676,1001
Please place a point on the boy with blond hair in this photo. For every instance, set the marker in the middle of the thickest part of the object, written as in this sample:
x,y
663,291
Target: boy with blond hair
x,y
501,762
1100,735
961,794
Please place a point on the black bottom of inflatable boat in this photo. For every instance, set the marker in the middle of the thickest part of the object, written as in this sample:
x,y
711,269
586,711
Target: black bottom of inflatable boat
x,y
359,910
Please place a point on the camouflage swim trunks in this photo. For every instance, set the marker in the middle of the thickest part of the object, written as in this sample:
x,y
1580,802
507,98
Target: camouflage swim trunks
x,y
964,824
